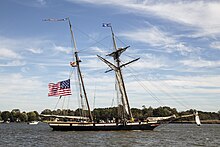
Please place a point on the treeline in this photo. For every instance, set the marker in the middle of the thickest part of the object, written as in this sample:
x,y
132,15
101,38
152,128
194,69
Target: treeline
x,y
105,114
108,114
17,116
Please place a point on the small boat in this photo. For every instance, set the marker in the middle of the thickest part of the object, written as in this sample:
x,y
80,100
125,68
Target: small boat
x,y
197,119
33,123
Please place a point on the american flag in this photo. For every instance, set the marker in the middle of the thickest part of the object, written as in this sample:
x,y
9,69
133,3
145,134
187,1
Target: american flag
x,y
60,89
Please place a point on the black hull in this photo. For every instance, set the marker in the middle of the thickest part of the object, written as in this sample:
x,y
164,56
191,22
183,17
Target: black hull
x,y
60,127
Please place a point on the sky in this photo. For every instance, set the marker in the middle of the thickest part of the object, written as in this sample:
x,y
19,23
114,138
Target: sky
x,y
178,42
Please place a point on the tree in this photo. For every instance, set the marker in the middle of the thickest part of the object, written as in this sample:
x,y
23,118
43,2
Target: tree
x,y
57,112
32,116
147,112
161,111
219,115
70,112
15,115
78,112
6,115
37,115
137,113
23,117
46,112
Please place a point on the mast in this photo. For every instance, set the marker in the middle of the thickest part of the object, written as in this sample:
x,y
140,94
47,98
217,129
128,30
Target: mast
x,y
119,77
79,70
120,80
77,63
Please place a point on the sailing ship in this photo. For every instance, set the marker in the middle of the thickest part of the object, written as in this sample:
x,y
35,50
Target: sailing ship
x,y
125,120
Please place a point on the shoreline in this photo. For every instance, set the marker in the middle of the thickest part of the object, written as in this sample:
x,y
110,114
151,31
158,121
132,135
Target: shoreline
x,y
193,122
173,122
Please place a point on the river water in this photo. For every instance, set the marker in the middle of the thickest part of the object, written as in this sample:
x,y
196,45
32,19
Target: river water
x,y
41,135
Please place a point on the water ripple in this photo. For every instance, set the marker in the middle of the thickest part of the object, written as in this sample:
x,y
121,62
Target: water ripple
x,y
21,134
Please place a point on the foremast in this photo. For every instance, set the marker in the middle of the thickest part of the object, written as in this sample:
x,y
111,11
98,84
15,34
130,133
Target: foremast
x,y
77,60
77,64
119,77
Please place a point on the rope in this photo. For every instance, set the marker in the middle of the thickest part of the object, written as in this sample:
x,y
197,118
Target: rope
x,y
57,103
154,96
63,102
96,42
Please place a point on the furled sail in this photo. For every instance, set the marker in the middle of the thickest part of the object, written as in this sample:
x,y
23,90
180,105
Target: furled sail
x,y
155,119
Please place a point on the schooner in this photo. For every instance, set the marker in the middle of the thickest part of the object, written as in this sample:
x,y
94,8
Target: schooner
x,y
125,120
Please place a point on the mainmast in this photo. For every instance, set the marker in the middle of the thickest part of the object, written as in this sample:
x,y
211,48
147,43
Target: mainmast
x,y
119,77
77,61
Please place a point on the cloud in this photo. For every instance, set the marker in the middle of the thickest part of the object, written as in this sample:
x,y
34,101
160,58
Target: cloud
x,y
94,63
200,63
181,85
157,38
202,15
195,85
18,84
25,93
14,63
15,52
152,36
9,54
36,50
42,2
66,50
215,45
32,3
10,58
34,45
150,61
97,50
25,69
